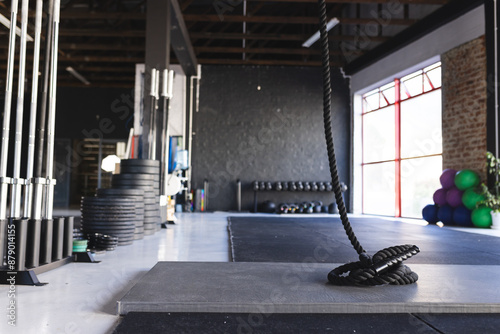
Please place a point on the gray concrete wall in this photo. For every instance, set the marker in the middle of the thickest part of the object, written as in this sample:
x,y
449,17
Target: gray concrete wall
x,y
271,134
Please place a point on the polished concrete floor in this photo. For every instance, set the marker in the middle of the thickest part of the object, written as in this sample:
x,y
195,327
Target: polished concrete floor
x,y
82,297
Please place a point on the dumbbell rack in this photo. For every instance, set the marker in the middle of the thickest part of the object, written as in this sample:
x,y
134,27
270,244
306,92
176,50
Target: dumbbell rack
x,y
273,188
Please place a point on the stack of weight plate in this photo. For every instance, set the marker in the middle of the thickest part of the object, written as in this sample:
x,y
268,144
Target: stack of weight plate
x,y
136,195
143,174
111,216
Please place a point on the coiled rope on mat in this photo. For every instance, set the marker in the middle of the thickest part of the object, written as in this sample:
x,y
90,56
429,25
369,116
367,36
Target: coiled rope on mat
x,y
386,265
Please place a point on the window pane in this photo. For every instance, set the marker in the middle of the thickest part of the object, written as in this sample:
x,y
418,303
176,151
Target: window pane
x,y
379,189
419,181
412,86
379,135
390,95
421,125
435,77
427,85
371,102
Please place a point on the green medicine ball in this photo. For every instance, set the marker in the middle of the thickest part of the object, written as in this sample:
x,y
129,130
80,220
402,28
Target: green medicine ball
x,y
466,178
481,217
470,198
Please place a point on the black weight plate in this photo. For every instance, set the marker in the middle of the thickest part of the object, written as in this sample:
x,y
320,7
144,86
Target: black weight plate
x,y
137,200
108,229
149,232
150,213
111,231
152,220
105,201
108,208
128,176
140,162
126,243
116,179
107,238
141,170
152,207
110,223
107,244
108,217
108,213
146,189
120,192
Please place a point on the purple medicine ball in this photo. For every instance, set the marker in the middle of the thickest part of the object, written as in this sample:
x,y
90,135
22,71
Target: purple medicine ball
x,y
439,197
454,197
447,179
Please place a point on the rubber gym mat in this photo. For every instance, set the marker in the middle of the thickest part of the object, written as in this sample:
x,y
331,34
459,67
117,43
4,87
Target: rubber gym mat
x,y
208,323
323,240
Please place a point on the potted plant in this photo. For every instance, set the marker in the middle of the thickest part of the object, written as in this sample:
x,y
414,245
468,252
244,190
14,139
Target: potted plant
x,y
492,196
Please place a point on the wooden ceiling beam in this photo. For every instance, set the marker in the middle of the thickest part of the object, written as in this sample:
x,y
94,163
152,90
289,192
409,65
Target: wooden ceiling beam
x,y
102,33
275,37
103,47
403,2
265,62
289,20
284,51
88,59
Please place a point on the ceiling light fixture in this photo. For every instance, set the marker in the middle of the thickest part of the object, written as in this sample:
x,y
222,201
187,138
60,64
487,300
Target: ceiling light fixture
x,y
332,23
6,22
77,75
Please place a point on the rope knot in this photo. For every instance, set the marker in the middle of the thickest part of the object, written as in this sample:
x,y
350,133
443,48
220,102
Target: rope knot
x,y
365,260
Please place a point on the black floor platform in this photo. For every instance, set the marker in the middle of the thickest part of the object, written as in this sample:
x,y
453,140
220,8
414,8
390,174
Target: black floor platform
x,y
323,240
216,323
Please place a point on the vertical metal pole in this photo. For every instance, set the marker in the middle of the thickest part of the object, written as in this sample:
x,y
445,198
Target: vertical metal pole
x,y
17,182
155,109
33,111
6,115
52,112
33,237
164,133
4,180
45,92
152,95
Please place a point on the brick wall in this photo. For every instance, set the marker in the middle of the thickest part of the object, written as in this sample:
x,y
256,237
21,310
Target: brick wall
x,y
464,107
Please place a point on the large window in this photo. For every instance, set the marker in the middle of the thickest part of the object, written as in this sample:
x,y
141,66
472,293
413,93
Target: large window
x,y
402,151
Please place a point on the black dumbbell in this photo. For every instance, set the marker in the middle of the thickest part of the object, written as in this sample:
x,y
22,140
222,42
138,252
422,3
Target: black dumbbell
x,y
262,185
321,186
283,208
314,186
284,185
329,186
293,208
300,186
278,186
307,186
292,186
269,186
255,185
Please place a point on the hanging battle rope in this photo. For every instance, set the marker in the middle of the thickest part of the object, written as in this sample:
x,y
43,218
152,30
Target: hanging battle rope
x,y
386,265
